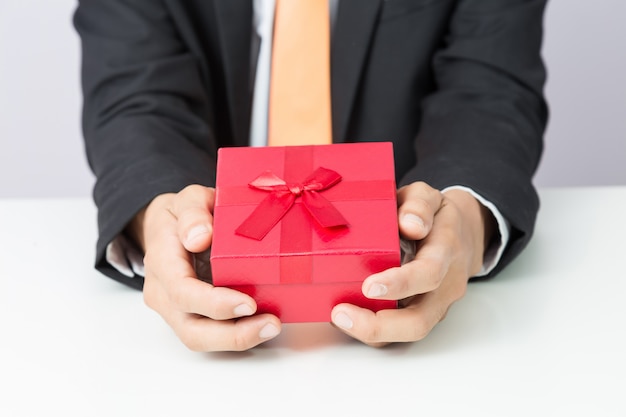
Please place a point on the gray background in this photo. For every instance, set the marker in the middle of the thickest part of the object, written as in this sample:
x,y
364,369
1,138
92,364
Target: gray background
x,y
41,152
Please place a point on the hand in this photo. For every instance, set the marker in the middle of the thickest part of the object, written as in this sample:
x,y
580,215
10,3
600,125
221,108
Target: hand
x,y
451,232
171,229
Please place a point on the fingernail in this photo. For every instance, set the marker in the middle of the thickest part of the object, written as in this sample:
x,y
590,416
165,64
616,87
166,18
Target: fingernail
x,y
377,290
243,310
268,331
343,320
196,233
412,219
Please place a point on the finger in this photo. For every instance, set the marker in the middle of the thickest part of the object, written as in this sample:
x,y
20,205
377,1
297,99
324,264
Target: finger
x,y
202,334
171,267
219,303
421,275
386,326
418,203
193,207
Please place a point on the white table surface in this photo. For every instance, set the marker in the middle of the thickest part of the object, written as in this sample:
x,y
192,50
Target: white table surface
x,y
546,337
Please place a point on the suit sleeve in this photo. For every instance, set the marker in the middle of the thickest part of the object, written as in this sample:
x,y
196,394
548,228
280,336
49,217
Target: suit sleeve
x,y
146,113
483,127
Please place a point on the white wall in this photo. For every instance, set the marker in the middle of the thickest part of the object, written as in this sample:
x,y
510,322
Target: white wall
x,y
41,152
585,51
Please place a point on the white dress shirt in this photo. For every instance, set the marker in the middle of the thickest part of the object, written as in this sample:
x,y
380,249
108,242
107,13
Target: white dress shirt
x,y
125,257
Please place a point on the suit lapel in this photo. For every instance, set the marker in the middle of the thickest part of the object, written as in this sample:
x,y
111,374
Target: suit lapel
x,y
234,23
352,35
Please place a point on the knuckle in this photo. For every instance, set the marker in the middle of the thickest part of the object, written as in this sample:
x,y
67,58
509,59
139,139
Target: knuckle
x,y
424,189
190,190
419,329
209,193
421,186
214,311
180,199
241,342
372,335
197,192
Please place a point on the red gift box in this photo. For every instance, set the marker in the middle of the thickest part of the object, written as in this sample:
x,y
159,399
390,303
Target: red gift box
x,y
299,228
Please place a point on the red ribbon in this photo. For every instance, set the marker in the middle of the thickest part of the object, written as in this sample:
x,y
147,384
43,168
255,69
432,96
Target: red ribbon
x,y
283,196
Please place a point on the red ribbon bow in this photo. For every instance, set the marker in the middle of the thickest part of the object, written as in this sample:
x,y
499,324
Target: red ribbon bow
x,y
283,196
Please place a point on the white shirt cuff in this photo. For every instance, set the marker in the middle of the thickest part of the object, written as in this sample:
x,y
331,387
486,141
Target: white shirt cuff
x,y
124,256
496,249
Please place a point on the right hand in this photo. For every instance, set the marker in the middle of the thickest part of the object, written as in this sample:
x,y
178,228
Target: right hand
x,y
170,230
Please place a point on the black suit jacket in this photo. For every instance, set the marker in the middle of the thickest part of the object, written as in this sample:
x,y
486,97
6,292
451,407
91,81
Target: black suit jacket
x,y
456,85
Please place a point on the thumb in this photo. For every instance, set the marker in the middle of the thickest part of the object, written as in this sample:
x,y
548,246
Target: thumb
x,y
193,209
413,226
418,204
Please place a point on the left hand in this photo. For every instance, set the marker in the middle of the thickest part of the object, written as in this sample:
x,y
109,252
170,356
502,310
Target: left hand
x,y
451,232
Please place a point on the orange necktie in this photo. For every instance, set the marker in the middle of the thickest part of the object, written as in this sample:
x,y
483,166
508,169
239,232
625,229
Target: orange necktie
x,y
299,107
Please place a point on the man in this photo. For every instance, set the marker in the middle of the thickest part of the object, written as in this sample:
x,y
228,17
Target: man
x,y
456,85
